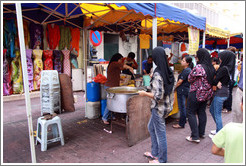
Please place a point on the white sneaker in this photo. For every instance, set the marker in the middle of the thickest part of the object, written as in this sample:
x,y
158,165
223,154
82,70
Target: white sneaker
x,y
211,136
213,132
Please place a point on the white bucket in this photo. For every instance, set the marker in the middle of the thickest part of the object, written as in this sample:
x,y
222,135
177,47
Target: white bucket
x,y
93,110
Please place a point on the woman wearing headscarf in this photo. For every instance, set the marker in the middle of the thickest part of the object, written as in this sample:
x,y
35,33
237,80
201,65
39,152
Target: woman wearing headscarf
x,y
162,87
222,92
201,79
113,78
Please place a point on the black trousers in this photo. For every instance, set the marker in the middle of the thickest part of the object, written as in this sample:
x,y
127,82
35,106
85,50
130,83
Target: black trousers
x,y
195,108
228,103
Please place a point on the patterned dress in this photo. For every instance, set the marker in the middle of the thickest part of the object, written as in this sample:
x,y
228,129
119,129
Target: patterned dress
x,y
57,54
38,67
48,62
7,87
66,62
29,68
36,35
17,74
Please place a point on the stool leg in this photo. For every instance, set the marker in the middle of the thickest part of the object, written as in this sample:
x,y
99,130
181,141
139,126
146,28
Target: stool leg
x,y
55,130
37,132
60,132
44,138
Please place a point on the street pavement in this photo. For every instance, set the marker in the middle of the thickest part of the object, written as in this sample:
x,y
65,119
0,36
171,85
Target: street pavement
x,y
87,142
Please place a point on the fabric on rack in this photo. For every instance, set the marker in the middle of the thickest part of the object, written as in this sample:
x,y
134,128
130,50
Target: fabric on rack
x,y
7,87
53,35
26,33
9,37
66,62
73,58
65,38
38,67
57,54
16,78
75,32
36,35
48,59
29,68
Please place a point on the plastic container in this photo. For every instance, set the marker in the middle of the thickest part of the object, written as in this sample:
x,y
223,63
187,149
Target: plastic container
x,y
92,110
103,106
146,80
93,91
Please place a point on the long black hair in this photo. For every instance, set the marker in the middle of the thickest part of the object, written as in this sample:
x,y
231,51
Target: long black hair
x,y
115,58
188,60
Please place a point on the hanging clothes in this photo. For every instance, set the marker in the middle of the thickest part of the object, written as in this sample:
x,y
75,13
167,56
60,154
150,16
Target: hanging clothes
x,y
26,33
16,78
183,47
144,41
65,38
75,32
36,35
38,67
7,87
57,54
73,58
66,62
53,35
48,62
29,68
9,37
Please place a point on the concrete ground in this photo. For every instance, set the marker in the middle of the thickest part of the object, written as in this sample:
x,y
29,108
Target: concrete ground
x,y
87,142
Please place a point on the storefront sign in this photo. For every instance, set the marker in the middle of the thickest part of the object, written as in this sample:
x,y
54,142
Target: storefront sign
x,y
193,40
95,38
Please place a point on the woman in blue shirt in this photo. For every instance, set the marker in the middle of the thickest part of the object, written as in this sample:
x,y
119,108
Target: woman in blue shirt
x,y
182,88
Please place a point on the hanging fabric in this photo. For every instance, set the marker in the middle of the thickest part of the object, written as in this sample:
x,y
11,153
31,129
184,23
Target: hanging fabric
x,y
65,37
7,87
9,37
29,68
53,35
75,32
73,58
144,41
48,59
36,35
16,78
66,62
57,54
38,67
26,33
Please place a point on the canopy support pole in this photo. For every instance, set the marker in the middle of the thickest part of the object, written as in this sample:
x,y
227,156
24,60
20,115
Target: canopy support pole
x,y
154,36
85,63
228,43
141,59
25,76
204,39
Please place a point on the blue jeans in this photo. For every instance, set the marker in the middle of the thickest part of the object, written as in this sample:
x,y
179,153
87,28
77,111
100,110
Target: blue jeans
x,y
215,110
181,103
157,131
106,114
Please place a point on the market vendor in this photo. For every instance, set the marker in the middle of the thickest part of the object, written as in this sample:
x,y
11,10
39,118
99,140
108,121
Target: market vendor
x,y
147,65
130,61
113,78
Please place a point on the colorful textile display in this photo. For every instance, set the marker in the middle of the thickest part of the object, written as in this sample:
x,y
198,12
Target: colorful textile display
x,y
16,78
48,62
73,58
29,68
38,67
53,35
75,32
66,62
57,54
26,33
65,38
7,87
9,37
36,35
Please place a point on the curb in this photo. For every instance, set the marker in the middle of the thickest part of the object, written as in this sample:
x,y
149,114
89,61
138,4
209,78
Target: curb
x,y
22,96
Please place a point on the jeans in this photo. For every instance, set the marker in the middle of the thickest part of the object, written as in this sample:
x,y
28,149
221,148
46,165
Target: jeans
x,y
157,131
181,103
228,103
215,110
198,108
106,114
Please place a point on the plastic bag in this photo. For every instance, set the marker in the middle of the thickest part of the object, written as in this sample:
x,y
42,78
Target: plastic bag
x,y
100,79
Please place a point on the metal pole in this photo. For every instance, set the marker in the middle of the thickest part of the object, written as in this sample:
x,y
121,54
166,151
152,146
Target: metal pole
x,y
26,84
141,59
228,42
154,36
204,39
85,63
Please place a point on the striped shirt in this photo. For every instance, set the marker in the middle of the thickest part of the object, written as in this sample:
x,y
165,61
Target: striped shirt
x,y
164,104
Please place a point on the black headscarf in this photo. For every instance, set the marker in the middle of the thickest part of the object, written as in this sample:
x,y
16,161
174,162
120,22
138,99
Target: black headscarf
x,y
160,59
228,60
204,59
115,58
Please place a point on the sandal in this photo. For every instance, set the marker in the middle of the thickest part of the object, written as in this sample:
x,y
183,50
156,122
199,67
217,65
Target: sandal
x,y
154,161
105,122
177,126
188,138
150,156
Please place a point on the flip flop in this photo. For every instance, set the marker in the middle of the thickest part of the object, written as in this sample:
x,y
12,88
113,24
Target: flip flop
x,y
150,156
177,126
188,138
154,161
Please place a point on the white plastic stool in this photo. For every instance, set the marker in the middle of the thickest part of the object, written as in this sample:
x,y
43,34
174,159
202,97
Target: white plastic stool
x,y
42,129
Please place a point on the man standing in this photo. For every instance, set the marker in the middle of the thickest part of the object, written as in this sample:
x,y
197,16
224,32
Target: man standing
x,y
147,65
129,61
